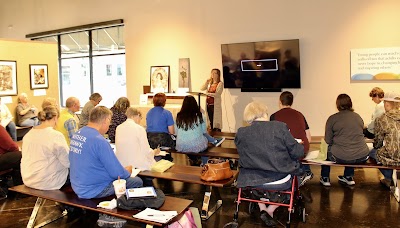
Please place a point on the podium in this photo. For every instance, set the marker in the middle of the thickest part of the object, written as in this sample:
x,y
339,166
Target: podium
x,y
199,94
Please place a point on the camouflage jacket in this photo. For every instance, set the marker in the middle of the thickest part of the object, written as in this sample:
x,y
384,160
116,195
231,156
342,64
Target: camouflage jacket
x,y
387,138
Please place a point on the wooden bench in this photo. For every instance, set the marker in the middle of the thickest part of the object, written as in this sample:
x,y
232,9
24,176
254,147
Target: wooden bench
x,y
369,164
191,174
67,196
212,151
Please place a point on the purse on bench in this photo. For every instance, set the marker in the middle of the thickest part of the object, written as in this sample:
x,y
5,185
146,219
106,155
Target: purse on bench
x,y
215,170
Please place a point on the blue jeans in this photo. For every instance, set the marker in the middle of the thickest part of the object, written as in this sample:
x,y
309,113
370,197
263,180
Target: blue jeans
x,y
348,171
30,122
209,138
131,182
305,168
387,173
12,130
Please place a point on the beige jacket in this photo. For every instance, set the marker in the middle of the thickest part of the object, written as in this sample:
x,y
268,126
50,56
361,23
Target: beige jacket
x,y
217,103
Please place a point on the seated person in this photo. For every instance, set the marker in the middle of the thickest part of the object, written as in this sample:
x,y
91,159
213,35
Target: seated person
x,y
94,100
118,116
49,101
191,129
345,139
376,94
132,147
268,153
27,114
160,124
6,121
94,165
297,125
45,163
386,130
67,122
10,156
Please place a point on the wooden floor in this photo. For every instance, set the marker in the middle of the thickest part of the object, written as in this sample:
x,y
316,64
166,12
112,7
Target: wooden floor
x,y
367,204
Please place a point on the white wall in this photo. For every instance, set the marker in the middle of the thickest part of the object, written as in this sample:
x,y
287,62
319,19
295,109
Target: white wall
x,y
160,32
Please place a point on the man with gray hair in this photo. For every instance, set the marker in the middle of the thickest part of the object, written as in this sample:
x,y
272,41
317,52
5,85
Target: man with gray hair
x,y
67,122
93,164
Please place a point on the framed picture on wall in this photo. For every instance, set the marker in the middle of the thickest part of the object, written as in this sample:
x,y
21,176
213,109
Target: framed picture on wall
x,y
8,78
39,76
159,79
184,73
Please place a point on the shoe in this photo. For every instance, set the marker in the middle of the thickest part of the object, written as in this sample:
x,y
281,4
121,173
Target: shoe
x,y
110,221
386,182
267,219
306,177
218,141
346,180
325,181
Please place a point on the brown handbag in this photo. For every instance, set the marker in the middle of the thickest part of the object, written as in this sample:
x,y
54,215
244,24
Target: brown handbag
x,y
215,170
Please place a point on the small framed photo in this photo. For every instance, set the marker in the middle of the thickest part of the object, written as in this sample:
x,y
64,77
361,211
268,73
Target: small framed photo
x,y
159,79
8,78
39,76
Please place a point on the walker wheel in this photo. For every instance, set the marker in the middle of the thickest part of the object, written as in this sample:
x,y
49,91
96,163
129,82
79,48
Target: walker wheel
x,y
231,225
252,207
303,215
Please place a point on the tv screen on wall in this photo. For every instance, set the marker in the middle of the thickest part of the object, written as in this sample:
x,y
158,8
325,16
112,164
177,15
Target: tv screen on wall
x,y
265,64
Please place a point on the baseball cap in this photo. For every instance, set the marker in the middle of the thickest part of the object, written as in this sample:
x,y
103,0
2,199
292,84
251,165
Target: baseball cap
x,y
391,96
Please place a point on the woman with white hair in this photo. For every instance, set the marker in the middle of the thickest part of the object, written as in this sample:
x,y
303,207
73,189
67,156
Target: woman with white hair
x,y
132,146
27,114
268,154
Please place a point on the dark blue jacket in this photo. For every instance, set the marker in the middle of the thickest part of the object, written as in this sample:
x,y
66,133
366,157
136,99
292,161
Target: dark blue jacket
x,y
268,152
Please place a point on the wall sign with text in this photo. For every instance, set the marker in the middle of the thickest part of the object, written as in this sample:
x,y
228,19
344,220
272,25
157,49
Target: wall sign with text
x,y
375,64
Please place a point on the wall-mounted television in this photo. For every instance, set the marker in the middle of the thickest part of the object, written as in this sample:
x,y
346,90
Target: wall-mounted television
x,y
265,65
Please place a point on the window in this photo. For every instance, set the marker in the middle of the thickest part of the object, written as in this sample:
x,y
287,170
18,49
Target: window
x,y
91,60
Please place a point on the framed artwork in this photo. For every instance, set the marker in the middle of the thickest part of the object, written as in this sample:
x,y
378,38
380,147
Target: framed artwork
x,y
109,69
184,73
8,78
39,76
159,79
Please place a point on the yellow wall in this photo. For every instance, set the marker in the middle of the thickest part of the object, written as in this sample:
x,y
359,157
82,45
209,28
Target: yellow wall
x,y
29,52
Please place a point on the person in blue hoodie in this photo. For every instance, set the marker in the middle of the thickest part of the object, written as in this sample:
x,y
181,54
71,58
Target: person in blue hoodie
x,y
93,164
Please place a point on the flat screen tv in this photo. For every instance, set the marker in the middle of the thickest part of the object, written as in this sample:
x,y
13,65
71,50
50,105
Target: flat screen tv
x,y
265,65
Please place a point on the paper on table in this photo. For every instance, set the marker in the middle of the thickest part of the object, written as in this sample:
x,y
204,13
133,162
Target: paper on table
x,y
312,155
108,204
162,153
156,215
135,172
321,161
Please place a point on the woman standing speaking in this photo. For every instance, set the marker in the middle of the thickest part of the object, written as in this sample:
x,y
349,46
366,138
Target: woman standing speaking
x,y
214,87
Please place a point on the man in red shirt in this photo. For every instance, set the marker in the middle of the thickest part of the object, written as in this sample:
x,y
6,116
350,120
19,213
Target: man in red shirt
x,y
297,125
10,156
